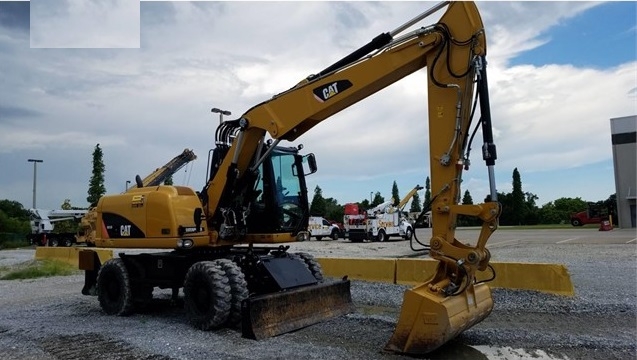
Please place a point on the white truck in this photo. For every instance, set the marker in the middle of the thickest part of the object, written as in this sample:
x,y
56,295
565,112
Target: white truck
x,y
380,222
382,226
42,227
319,227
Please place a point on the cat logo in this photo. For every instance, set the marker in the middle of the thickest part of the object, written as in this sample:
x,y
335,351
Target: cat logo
x,y
327,91
124,230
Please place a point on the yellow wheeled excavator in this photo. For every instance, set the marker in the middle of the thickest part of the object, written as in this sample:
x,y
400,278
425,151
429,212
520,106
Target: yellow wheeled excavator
x,y
225,244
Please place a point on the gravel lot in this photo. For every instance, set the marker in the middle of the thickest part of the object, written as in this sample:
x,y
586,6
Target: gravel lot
x,y
50,319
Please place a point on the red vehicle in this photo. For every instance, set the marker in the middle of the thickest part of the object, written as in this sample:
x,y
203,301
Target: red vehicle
x,y
594,214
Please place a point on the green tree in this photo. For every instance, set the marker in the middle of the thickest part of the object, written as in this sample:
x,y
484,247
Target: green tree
x,y
13,225
466,198
505,200
378,199
365,204
66,205
611,205
334,211
518,201
532,211
65,226
96,187
465,220
169,180
14,218
394,194
559,211
415,204
427,201
14,209
318,207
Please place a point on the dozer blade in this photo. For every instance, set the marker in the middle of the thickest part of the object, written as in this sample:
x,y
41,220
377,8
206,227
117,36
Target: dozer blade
x,y
269,315
428,320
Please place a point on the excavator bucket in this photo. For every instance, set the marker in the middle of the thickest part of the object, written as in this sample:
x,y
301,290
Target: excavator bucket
x,y
278,313
428,320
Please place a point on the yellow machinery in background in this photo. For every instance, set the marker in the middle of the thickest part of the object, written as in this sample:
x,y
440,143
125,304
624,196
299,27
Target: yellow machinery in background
x,y
88,223
216,240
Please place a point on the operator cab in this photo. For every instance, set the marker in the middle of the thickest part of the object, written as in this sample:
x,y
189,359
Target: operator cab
x,y
281,204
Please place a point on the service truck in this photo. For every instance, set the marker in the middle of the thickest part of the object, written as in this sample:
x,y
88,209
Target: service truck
x,y
42,226
319,228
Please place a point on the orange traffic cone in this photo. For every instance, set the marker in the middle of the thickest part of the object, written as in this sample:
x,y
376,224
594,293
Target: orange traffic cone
x,y
605,225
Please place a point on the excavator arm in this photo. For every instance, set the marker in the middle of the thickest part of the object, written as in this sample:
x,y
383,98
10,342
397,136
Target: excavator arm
x,y
453,50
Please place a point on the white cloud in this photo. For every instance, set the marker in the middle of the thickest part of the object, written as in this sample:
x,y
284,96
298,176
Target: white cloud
x,y
146,105
84,23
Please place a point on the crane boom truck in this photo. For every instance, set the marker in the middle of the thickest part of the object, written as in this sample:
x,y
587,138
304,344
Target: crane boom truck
x,y
225,247
43,222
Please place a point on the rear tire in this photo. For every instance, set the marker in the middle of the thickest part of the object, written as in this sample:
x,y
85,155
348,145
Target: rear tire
x,y
207,295
53,242
238,289
113,288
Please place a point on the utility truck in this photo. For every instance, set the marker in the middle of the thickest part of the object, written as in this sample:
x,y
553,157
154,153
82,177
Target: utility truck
x,y
43,225
319,227
380,222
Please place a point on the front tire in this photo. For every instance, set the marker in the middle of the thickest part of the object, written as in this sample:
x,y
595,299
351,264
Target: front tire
x,y
409,233
238,289
113,288
334,234
576,222
382,236
207,295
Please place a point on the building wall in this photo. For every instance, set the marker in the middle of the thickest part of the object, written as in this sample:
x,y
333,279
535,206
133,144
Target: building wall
x,y
623,136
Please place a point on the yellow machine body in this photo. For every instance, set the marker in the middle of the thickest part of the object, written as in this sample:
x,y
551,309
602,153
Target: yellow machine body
x,y
256,192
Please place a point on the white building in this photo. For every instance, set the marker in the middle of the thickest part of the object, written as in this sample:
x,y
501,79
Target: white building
x,y
623,137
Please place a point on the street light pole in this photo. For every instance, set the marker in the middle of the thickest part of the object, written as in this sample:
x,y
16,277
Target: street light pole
x,y
221,113
370,197
35,173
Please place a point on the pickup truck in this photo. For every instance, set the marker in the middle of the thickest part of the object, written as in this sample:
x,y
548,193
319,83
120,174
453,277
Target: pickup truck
x,y
319,227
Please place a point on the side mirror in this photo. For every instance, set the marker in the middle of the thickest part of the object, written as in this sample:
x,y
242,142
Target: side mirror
x,y
309,164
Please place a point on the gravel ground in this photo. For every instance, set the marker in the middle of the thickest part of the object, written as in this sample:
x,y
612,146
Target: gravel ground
x,y
50,319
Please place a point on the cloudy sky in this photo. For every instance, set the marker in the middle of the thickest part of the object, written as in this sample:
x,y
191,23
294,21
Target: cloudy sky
x,y
140,78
